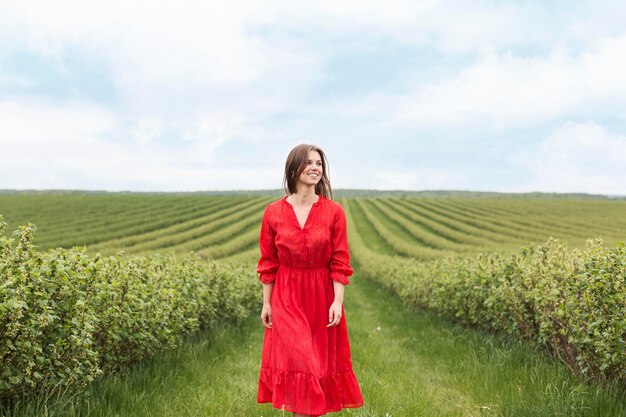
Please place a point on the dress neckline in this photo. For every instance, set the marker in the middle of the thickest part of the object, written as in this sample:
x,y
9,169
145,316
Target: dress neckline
x,y
319,197
293,210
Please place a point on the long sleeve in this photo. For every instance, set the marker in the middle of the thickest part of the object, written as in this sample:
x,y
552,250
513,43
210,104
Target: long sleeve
x,y
340,268
268,263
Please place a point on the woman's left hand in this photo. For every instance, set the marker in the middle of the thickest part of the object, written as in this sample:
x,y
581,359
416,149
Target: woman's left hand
x,y
334,314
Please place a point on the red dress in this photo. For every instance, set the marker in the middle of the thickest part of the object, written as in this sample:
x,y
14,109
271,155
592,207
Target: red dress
x,y
306,367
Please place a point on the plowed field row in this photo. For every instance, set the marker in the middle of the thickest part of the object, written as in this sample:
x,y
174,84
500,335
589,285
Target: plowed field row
x,y
228,226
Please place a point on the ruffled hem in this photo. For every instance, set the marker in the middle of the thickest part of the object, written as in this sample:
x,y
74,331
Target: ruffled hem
x,y
298,392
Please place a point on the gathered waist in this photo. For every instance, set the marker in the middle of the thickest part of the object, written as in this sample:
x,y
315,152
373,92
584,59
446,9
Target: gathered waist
x,y
292,268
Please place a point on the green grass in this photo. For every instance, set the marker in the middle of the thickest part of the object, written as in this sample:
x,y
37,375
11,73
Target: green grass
x,y
407,363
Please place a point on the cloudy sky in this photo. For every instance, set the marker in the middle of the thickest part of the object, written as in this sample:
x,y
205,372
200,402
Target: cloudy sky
x,y
185,95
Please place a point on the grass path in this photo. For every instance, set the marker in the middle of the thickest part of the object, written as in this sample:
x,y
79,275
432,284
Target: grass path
x,y
408,364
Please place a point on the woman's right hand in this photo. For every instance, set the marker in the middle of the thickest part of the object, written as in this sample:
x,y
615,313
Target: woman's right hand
x,y
266,315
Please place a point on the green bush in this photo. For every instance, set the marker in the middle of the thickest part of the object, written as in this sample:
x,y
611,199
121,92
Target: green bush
x,y
571,302
66,317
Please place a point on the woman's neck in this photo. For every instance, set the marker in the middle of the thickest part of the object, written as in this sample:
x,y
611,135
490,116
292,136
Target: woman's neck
x,y
304,195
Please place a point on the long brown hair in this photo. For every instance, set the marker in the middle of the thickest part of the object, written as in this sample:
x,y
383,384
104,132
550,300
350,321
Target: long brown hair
x,y
296,162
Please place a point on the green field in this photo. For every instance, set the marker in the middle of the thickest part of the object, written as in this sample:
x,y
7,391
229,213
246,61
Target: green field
x,y
228,226
409,363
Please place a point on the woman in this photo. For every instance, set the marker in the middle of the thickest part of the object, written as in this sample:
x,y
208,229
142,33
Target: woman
x,y
305,262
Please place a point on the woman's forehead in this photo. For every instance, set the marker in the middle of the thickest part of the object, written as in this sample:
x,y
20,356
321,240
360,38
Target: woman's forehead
x,y
314,155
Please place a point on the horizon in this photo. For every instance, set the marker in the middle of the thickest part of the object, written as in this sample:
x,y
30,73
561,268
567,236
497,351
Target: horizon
x,y
469,193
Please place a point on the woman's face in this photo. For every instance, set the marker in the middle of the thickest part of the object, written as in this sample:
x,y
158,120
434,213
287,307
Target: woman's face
x,y
312,172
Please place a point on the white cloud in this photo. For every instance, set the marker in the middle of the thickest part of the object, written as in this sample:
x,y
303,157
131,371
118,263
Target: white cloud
x,y
207,178
454,27
68,147
146,42
189,79
210,43
50,146
160,54
14,81
396,178
39,124
206,133
147,131
578,157
504,89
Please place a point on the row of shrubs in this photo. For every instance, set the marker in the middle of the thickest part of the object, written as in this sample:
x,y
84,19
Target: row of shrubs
x,y
66,317
572,302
